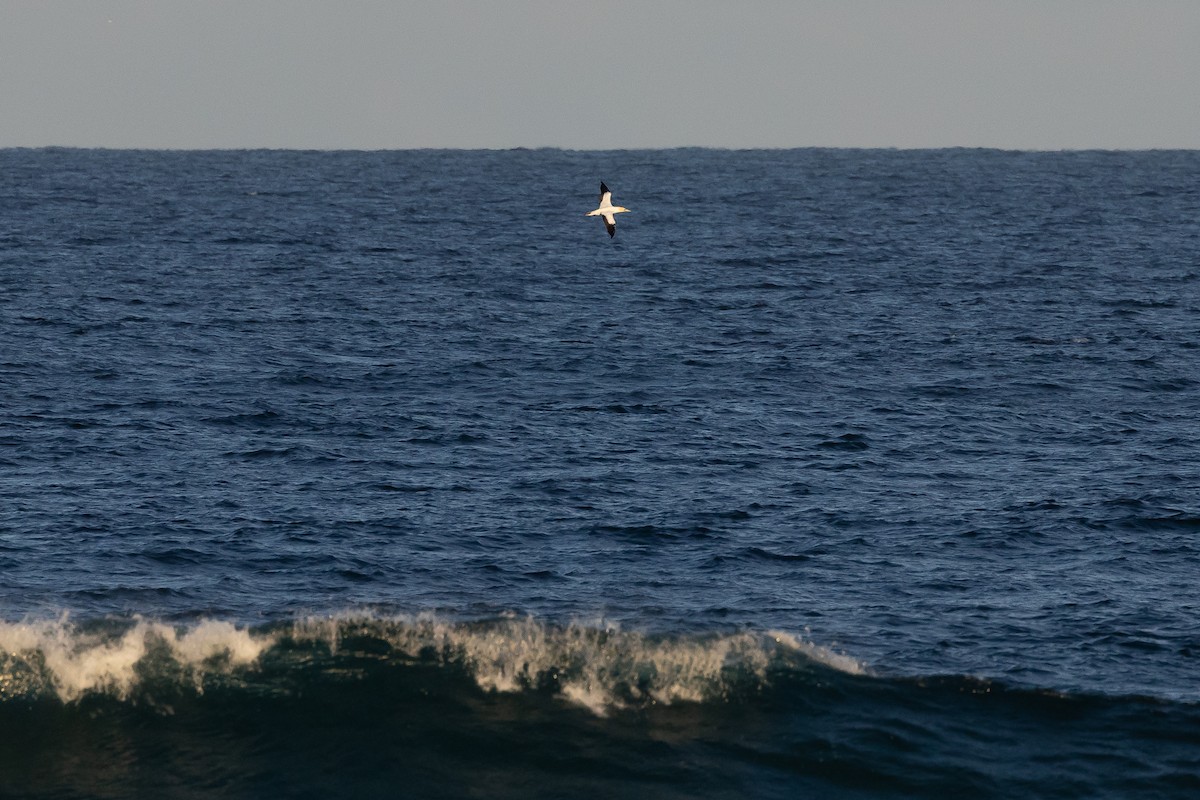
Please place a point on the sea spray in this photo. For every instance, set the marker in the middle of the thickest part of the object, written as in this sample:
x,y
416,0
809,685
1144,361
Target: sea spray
x,y
598,666
70,660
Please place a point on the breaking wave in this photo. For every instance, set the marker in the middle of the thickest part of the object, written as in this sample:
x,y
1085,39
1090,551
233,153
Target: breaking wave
x,y
597,666
362,703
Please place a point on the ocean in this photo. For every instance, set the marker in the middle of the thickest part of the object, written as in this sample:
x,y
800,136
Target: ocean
x,y
835,474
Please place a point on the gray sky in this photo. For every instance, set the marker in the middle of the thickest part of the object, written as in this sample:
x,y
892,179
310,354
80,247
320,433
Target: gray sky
x,y
1044,74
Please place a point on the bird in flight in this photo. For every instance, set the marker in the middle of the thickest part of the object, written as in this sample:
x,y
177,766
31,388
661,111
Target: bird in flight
x,y
607,210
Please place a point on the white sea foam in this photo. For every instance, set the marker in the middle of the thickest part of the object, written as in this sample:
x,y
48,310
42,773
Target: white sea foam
x,y
596,665
822,655
74,661
215,639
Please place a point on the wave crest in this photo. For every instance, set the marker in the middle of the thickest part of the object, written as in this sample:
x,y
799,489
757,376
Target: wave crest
x,y
72,660
597,666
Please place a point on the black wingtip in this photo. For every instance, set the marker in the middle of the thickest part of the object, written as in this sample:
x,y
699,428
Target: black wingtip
x,y
603,188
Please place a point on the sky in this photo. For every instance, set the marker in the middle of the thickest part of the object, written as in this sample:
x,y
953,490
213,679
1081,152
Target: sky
x,y
385,74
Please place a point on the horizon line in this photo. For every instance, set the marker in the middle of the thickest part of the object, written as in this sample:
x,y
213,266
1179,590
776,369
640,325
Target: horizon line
x,y
537,148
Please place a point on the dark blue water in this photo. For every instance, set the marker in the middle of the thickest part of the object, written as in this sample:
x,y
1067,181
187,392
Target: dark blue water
x,y
834,474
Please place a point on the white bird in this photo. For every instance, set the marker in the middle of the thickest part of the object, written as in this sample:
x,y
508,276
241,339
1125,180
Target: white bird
x,y
607,210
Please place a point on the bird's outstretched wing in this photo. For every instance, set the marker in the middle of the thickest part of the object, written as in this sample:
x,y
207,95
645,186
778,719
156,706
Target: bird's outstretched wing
x,y
605,196
610,225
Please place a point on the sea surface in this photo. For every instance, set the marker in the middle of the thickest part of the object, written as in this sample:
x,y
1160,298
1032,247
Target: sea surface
x,y
835,474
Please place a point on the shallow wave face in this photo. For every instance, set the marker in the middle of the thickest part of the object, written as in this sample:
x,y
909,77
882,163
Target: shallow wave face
x,y
366,705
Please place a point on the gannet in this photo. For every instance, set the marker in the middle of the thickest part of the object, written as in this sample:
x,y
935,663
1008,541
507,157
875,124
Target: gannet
x,y
607,210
